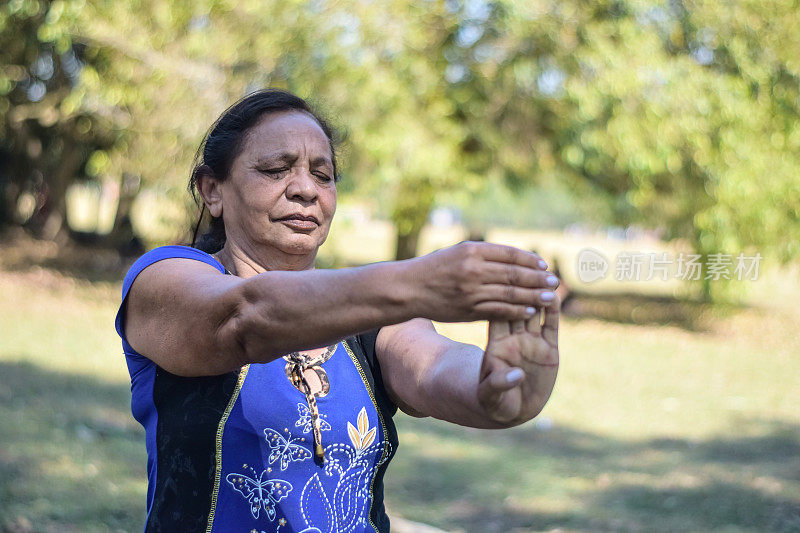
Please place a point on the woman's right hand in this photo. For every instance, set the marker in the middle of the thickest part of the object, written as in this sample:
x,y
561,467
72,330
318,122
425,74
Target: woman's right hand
x,y
480,281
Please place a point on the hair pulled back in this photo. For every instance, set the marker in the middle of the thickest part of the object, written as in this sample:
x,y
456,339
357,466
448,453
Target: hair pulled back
x,y
223,143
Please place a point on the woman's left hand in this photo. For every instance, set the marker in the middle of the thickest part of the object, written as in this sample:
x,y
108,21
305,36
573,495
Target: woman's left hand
x,y
519,366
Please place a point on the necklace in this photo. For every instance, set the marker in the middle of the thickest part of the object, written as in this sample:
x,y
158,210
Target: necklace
x,y
303,358
296,365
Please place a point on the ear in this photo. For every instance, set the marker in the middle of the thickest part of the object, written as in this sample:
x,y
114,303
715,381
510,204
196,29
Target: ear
x,y
210,190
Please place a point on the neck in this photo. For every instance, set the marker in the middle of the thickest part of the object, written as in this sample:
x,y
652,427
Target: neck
x,y
245,263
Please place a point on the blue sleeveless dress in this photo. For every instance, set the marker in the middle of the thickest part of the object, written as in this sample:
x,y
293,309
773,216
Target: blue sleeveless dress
x,y
235,452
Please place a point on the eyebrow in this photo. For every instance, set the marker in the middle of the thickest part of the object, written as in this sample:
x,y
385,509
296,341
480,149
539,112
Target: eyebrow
x,y
289,157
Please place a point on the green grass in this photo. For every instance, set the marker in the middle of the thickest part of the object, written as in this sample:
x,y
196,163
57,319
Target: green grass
x,y
648,429
71,456
665,417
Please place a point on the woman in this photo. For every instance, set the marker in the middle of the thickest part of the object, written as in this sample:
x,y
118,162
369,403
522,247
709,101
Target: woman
x,y
266,388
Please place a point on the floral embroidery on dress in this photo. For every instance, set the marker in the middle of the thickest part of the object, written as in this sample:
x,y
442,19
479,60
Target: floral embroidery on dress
x,y
347,507
352,465
282,522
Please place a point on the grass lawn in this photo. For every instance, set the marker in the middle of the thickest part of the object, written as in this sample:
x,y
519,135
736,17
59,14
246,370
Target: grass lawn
x,y
656,424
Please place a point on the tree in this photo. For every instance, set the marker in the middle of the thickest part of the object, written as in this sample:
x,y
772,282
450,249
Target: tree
x,y
676,114
45,140
401,114
679,115
687,118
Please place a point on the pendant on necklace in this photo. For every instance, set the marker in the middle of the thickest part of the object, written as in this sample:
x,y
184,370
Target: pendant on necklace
x,y
297,365
301,383
322,376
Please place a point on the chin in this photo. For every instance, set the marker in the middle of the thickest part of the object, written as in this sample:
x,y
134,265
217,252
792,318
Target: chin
x,y
300,245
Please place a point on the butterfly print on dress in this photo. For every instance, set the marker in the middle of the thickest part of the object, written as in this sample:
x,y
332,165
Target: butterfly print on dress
x,y
286,449
260,493
305,419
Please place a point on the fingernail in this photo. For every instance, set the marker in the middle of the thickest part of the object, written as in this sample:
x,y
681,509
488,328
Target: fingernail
x,y
542,264
515,375
530,311
552,281
547,296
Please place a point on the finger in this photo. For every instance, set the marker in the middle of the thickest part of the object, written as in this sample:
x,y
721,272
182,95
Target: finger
x,y
550,324
499,328
499,311
501,253
516,295
517,326
534,323
503,380
519,276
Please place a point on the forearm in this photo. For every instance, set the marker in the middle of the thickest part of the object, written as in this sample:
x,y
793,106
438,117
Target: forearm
x,y
452,389
280,312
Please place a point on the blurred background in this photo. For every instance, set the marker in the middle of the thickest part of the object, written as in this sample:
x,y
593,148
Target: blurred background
x,y
591,132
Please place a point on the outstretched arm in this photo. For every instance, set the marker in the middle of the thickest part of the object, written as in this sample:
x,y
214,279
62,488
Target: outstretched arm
x,y
192,320
507,384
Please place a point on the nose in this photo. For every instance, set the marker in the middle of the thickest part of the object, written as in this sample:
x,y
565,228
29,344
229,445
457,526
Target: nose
x,y
301,186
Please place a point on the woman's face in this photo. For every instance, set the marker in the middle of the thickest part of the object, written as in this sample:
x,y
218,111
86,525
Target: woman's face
x,y
281,194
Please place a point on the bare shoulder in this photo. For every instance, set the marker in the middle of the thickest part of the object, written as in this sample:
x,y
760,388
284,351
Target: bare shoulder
x,y
175,306
174,282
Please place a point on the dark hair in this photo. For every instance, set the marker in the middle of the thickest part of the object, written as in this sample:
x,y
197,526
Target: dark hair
x,y
223,142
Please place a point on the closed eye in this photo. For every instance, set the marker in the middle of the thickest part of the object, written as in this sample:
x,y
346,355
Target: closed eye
x,y
273,171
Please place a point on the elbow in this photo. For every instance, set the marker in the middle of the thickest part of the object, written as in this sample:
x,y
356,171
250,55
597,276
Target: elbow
x,y
410,411
231,339
243,333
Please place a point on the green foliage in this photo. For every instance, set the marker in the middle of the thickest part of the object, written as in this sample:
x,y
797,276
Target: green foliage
x,y
550,206
681,115
45,138
678,115
687,113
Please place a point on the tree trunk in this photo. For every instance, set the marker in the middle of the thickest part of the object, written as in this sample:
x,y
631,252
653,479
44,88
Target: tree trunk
x,y
52,218
413,203
9,197
122,236
407,243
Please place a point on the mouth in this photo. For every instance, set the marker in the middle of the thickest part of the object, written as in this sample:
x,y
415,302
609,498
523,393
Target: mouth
x,y
297,216
300,222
